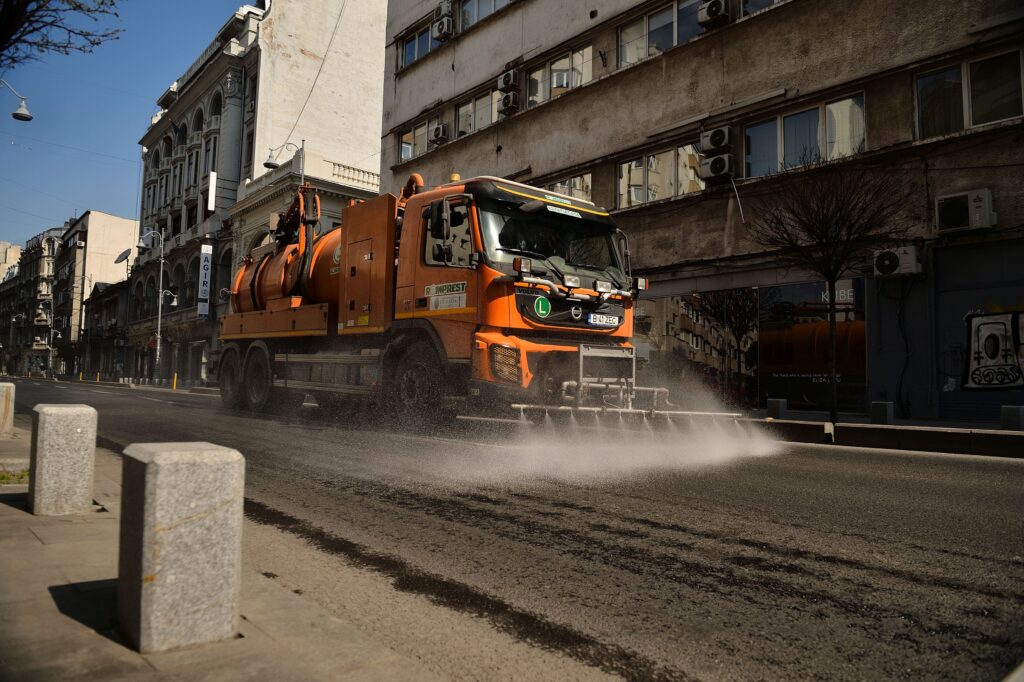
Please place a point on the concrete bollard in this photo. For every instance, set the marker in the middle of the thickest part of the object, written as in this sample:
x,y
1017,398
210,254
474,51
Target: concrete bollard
x,y
776,408
6,410
1011,417
883,412
180,559
62,459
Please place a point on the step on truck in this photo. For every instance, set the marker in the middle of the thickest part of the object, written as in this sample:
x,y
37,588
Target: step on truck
x,y
482,296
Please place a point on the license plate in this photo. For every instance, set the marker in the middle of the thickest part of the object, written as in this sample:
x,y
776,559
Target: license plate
x,y
603,320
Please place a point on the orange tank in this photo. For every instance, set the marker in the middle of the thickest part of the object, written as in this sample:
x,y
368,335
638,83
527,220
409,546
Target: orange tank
x,y
277,274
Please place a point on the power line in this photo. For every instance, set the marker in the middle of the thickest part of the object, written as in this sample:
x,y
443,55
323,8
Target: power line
x,y
66,146
34,215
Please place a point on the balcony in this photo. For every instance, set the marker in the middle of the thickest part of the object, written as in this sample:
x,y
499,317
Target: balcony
x,y
356,177
212,123
165,165
195,139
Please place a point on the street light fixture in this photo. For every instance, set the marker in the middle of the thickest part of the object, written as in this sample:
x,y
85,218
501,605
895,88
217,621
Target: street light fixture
x,y
272,164
21,113
160,298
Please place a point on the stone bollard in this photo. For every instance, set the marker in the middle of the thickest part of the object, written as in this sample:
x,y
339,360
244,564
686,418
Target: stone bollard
x,y
776,407
883,412
1011,417
6,410
180,560
62,460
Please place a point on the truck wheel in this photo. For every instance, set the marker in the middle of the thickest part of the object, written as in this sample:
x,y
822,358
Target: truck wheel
x,y
230,379
418,385
258,381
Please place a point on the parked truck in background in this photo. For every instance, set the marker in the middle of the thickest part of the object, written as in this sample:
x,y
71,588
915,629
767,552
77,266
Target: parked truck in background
x,y
484,292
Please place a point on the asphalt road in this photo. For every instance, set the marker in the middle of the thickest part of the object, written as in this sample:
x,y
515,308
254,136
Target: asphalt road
x,y
673,556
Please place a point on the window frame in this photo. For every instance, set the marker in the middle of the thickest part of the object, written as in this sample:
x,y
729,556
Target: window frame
x,y
414,34
492,94
644,158
780,139
674,7
966,101
426,124
546,78
553,186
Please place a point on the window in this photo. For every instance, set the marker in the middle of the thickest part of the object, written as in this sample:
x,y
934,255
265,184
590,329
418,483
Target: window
x,y
476,10
650,35
794,139
417,45
478,113
250,148
413,142
578,187
455,251
192,169
210,156
558,76
660,175
965,95
751,6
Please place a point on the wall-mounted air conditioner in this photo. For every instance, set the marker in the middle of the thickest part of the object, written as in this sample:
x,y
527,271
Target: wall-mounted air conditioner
x,y
443,29
896,262
713,13
509,81
721,167
717,138
438,134
443,9
509,103
964,211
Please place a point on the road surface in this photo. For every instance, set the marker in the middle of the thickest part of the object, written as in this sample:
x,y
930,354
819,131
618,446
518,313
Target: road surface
x,y
658,556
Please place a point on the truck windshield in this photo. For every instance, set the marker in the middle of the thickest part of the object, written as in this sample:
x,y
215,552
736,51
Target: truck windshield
x,y
559,240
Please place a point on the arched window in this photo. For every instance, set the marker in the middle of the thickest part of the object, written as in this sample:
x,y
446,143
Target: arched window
x,y
182,134
156,159
168,145
178,284
150,307
192,282
215,104
197,121
138,301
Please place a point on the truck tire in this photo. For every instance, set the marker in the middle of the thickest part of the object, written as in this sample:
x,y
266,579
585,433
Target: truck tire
x,y
260,393
230,380
418,386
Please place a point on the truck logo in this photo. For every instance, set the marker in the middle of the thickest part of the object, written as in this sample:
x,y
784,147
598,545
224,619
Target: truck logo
x,y
444,289
577,313
542,306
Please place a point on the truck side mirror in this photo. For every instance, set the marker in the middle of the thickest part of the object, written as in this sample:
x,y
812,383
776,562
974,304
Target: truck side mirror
x,y
439,221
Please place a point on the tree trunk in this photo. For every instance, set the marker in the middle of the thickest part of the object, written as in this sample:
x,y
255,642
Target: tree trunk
x,y
833,382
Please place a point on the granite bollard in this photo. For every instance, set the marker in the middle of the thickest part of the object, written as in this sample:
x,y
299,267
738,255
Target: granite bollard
x,y
63,456
180,559
6,410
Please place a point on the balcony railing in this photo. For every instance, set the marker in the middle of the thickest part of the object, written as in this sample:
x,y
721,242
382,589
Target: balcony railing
x,y
213,123
355,176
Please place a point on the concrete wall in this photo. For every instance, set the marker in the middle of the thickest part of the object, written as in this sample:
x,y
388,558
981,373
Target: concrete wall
x,y
342,118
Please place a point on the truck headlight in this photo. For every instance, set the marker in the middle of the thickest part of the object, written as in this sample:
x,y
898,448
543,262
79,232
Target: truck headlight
x,y
505,364
603,287
572,281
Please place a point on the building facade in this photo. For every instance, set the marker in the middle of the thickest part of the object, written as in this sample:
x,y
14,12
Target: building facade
x,y
274,78
610,103
104,339
89,248
26,302
9,255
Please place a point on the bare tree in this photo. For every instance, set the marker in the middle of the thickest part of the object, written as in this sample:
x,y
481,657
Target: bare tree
x,y
737,311
829,219
31,28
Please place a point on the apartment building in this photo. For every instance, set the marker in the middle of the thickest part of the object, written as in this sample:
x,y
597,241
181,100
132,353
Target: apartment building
x,y
9,255
89,247
26,306
104,335
278,78
609,101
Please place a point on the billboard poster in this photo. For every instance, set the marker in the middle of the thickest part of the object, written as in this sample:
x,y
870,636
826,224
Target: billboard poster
x,y
205,267
793,344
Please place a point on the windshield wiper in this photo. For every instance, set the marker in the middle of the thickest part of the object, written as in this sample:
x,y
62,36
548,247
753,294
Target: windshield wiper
x,y
534,254
599,268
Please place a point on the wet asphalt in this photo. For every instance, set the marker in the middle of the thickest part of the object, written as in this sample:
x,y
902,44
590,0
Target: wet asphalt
x,y
811,563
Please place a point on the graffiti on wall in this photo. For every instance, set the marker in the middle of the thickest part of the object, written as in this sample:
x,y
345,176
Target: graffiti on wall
x,y
995,351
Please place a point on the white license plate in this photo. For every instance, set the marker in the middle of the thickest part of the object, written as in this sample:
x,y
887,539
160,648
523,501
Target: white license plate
x,y
603,320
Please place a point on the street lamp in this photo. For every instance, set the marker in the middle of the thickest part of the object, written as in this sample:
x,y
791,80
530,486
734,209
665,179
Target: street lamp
x,y
272,164
53,333
22,112
160,296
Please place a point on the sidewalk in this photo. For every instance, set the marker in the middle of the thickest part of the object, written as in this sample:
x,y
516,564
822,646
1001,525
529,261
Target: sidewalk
x,y
58,579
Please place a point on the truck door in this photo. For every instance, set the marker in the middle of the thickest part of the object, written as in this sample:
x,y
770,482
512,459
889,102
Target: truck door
x,y
446,288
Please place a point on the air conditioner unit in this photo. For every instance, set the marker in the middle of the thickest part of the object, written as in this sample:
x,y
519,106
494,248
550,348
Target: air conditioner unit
x,y
719,167
509,81
443,29
897,261
713,13
439,134
965,211
509,103
718,138
443,9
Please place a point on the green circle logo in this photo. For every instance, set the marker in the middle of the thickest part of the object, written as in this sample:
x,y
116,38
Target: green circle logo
x,y
542,306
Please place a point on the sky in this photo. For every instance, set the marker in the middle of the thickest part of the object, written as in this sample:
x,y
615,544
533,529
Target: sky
x,y
81,149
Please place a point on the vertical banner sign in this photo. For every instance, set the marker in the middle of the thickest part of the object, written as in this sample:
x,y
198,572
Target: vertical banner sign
x,y
205,264
211,197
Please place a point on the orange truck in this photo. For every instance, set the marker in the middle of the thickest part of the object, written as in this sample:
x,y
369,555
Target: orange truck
x,y
478,295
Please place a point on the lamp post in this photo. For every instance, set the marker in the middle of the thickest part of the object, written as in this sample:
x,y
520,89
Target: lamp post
x,y
160,296
272,164
10,344
52,335
22,112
